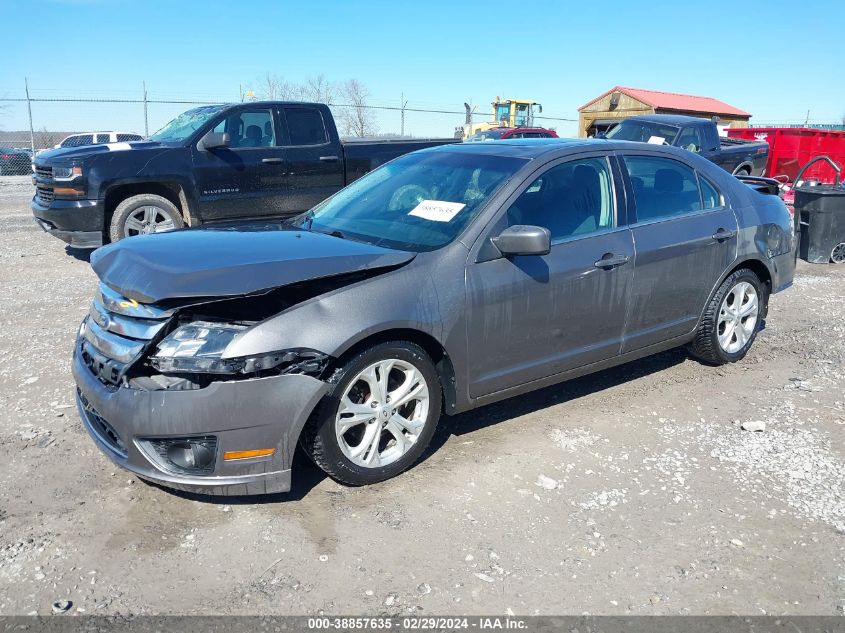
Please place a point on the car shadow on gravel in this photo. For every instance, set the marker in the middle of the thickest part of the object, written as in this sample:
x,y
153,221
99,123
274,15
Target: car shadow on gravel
x,y
515,407
82,254
307,476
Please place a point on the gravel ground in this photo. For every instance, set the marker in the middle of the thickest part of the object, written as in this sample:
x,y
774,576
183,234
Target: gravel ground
x,y
633,491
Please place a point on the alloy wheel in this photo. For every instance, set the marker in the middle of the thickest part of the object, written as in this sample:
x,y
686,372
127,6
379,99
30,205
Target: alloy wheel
x,y
738,317
147,219
382,413
837,255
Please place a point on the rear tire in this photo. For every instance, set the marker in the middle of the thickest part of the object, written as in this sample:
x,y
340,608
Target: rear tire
x,y
358,436
837,255
731,319
142,214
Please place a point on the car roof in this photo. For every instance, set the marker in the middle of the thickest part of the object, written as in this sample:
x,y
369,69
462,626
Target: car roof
x,y
531,148
519,148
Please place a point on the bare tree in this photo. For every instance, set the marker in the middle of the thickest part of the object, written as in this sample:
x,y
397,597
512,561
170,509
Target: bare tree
x,y
273,87
357,118
319,89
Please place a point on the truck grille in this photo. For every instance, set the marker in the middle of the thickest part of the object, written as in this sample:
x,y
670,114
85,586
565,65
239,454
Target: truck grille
x,y
43,172
44,194
116,333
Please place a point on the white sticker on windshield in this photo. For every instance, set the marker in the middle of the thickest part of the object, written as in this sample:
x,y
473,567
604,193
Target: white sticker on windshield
x,y
656,140
437,210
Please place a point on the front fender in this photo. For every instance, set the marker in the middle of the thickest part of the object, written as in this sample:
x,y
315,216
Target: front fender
x,y
426,296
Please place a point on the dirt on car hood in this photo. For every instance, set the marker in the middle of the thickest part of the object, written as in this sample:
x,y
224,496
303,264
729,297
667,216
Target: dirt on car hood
x,y
231,261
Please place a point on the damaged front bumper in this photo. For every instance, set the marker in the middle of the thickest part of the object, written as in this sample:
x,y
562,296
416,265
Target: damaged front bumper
x,y
236,415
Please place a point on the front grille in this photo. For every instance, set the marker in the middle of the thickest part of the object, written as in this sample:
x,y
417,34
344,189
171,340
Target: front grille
x,y
101,427
43,172
116,333
44,194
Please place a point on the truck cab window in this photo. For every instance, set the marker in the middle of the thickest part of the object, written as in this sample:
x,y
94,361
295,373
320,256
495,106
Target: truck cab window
x,y
690,139
78,141
306,126
249,129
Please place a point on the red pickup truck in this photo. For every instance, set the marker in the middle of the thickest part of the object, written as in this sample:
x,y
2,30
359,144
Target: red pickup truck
x,y
502,133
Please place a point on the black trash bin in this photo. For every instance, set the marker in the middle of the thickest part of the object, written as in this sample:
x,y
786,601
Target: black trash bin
x,y
821,211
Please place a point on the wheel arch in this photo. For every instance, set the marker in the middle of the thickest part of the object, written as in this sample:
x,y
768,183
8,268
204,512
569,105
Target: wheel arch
x,y
744,166
172,191
435,350
757,266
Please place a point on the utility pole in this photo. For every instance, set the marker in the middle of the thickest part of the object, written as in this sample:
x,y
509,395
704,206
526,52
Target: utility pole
x,y
29,109
404,104
146,120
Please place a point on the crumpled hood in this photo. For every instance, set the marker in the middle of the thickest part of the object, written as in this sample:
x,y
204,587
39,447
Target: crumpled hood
x,y
225,262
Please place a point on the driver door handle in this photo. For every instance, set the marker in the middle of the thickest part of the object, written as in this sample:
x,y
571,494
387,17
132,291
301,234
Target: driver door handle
x,y
329,159
271,161
610,261
721,235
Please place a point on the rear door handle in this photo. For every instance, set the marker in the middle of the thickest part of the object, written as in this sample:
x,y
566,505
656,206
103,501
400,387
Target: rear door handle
x,y
272,161
610,261
721,235
329,159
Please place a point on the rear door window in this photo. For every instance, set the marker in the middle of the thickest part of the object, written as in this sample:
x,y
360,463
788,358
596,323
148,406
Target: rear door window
x,y
709,194
306,126
662,187
103,138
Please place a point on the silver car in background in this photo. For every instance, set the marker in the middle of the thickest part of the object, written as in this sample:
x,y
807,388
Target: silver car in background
x,y
445,280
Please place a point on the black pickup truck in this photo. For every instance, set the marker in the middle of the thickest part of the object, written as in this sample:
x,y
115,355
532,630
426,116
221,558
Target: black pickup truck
x,y
736,156
209,164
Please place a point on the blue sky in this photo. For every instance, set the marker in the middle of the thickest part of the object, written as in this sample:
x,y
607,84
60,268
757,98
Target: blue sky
x,y
774,59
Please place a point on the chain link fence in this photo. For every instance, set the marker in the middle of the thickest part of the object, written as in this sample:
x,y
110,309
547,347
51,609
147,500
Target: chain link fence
x,y
33,120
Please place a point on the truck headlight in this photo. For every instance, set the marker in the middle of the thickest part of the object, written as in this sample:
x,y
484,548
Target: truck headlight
x,y
66,173
197,348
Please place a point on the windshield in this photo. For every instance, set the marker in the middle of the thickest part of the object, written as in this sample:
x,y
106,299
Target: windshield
x,y
644,132
185,124
485,135
419,202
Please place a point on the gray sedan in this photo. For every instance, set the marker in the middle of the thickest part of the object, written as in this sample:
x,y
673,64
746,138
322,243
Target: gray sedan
x,y
447,279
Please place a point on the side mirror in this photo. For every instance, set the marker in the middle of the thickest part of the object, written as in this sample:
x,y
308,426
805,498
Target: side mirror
x,y
523,239
213,140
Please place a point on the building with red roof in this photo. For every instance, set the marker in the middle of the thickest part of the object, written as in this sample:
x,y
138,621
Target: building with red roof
x,y
620,102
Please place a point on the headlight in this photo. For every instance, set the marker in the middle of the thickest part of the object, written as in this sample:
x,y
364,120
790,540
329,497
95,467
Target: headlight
x,y
197,348
66,173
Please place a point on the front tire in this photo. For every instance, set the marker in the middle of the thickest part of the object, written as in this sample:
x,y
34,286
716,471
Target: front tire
x,y
143,214
378,416
731,320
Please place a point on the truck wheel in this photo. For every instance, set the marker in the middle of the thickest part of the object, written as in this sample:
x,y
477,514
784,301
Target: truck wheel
x,y
731,319
837,255
378,416
742,171
143,214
